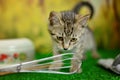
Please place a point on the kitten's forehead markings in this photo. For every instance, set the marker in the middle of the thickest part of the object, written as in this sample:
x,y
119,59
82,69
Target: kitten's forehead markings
x,y
60,34
68,17
74,35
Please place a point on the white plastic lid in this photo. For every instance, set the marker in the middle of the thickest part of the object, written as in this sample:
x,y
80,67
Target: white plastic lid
x,y
16,43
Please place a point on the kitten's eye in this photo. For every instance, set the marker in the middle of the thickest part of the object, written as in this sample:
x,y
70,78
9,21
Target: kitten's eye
x,y
73,39
60,38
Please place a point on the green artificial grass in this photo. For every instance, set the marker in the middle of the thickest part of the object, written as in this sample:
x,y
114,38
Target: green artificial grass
x,y
91,71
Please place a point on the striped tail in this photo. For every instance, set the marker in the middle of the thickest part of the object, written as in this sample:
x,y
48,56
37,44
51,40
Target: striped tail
x,y
82,4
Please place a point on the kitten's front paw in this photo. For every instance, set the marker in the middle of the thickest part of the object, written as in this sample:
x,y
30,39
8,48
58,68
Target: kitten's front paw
x,y
78,70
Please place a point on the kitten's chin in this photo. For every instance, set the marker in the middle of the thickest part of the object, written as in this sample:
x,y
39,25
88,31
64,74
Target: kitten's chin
x,y
62,49
65,51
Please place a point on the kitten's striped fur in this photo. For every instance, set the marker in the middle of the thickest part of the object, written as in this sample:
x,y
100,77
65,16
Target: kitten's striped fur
x,y
68,18
69,32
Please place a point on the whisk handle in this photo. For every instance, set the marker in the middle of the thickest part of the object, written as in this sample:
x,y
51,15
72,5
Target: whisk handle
x,y
5,73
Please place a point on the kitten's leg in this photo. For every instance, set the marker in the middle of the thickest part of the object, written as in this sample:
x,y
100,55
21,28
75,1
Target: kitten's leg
x,y
90,43
76,64
95,54
56,65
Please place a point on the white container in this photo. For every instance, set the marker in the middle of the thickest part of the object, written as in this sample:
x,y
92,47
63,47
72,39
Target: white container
x,y
16,51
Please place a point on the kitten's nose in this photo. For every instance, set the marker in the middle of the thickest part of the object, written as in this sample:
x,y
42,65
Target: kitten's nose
x,y
65,48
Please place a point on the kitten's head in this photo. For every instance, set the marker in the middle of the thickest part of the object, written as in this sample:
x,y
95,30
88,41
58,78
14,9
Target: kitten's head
x,y
66,28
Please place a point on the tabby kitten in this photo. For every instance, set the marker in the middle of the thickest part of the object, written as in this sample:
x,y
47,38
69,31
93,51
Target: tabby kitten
x,y
69,32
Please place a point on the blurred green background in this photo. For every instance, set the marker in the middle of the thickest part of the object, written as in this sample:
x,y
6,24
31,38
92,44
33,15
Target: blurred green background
x,y
29,18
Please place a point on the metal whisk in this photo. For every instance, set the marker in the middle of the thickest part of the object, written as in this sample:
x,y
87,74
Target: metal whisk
x,y
38,66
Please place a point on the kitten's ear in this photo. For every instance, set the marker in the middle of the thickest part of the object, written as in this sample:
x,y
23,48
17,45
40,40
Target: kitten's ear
x,y
83,20
54,18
